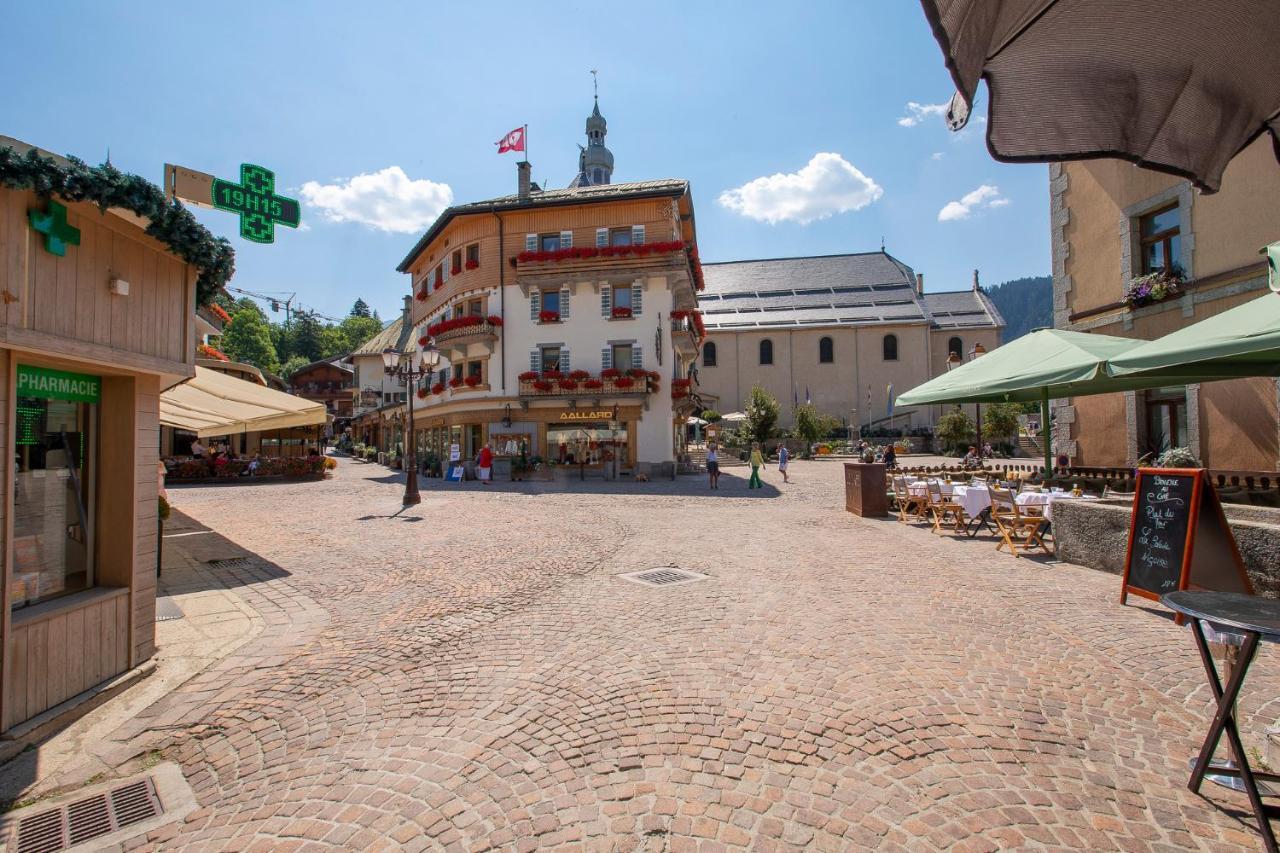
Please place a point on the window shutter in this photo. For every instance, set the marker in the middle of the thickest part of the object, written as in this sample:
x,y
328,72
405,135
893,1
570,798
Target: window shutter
x,y
535,304
637,291
535,360
531,242
606,358
637,234
564,303
444,270
637,356
566,239
564,360
606,301
602,237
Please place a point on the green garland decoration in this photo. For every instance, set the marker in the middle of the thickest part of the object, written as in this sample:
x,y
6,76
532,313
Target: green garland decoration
x,y
106,186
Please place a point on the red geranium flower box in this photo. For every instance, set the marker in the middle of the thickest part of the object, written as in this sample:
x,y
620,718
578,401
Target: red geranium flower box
x,y
568,384
541,385
473,264
680,383
422,393
637,373
529,376
548,316
579,375
494,320
472,381
610,373
621,313
455,382
455,269
437,388
593,384
552,374
624,382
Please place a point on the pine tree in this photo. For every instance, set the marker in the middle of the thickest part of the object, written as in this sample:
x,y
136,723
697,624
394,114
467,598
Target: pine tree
x,y
361,309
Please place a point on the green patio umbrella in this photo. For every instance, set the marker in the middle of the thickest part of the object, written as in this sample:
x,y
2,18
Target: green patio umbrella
x,y
1044,365
1240,342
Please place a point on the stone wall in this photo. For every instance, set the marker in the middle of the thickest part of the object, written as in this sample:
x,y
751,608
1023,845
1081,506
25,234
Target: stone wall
x,y
1095,534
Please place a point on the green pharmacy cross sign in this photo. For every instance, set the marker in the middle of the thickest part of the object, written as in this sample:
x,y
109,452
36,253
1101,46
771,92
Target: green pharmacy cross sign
x,y
53,225
255,199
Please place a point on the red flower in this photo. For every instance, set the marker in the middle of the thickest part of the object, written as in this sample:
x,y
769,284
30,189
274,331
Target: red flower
x,y
581,252
568,384
678,393
621,313
437,388
219,312
541,385
422,393
206,351
472,381
624,382
548,316
455,323
698,326
637,373
679,314
494,320
456,269
424,340
610,373
655,375
579,375
529,376
593,384
680,383
422,295
552,374
455,382
473,264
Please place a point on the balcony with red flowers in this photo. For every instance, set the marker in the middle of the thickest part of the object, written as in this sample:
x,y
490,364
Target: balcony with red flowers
x,y
675,259
458,333
579,384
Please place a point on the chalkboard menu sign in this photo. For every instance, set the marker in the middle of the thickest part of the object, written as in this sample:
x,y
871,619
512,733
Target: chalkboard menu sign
x,y
1179,537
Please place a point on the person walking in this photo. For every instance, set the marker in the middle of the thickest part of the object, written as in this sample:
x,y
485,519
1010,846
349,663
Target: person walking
x,y
783,456
713,466
484,464
756,461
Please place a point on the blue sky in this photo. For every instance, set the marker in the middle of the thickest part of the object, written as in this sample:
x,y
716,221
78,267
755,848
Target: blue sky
x,y
740,98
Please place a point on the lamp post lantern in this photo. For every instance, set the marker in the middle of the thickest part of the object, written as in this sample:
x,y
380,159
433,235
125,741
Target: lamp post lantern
x,y
420,363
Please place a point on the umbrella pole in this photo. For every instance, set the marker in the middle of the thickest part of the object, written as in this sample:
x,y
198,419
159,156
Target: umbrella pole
x,y
1044,431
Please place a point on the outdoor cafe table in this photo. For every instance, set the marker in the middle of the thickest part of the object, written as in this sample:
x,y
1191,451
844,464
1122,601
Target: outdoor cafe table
x,y
1047,499
1257,619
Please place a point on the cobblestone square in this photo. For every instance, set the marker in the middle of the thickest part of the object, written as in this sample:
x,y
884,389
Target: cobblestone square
x,y
473,673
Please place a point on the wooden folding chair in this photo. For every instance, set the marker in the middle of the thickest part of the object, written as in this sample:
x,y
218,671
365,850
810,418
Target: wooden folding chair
x,y
1017,529
914,506
943,507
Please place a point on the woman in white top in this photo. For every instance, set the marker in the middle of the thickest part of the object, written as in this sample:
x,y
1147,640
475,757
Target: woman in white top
x,y
713,466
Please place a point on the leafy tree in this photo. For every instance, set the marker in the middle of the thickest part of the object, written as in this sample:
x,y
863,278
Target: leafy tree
x,y
711,416
762,415
1000,420
361,309
306,336
247,338
813,426
955,430
357,330
295,363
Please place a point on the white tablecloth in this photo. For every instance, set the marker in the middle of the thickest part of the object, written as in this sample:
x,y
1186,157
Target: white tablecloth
x,y
921,488
1047,499
974,499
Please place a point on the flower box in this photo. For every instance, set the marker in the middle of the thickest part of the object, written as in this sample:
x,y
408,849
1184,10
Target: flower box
x,y
422,393
621,313
437,388
593,384
455,382
529,376
548,316
494,320
472,381
206,351
422,295
568,384
584,252
623,382
541,385
637,373
579,375
610,373
552,374
1152,288
473,264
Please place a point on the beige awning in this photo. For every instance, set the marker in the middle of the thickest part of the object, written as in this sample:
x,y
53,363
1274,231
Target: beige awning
x,y
212,403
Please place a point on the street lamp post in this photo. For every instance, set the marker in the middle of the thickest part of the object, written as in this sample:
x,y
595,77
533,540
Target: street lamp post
x,y
975,353
421,362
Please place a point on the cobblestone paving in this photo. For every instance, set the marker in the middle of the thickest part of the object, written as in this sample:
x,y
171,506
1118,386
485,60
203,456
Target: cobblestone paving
x,y
473,674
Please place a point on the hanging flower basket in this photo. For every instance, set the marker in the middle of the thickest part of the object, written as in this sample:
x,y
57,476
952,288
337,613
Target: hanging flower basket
x,y
548,316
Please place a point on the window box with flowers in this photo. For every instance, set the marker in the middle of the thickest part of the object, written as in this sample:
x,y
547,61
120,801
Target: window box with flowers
x,y
494,320
624,382
472,381
621,313
610,373
1153,287
579,375
593,384
455,269
548,316
422,393
529,376
541,385
472,264
455,382
206,351
568,384
437,388
552,375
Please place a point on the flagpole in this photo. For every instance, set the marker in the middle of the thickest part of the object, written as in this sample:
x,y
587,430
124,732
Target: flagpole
x,y
526,151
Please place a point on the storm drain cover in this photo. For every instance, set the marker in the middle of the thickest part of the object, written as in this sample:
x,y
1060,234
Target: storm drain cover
x,y
87,819
663,576
229,562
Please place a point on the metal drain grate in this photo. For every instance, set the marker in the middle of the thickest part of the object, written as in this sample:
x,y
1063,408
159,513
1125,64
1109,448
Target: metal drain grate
x,y
663,576
228,562
87,819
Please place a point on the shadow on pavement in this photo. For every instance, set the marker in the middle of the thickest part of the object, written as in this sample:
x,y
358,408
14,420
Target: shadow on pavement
x,y
686,485
191,554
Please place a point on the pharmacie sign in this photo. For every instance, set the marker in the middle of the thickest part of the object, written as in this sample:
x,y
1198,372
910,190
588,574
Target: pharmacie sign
x,y
48,384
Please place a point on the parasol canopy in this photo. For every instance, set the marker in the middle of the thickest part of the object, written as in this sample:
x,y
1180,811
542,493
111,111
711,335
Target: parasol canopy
x,y
1240,342
1180,86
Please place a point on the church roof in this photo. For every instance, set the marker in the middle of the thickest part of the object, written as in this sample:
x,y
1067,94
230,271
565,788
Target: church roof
x,y
830,290
674,187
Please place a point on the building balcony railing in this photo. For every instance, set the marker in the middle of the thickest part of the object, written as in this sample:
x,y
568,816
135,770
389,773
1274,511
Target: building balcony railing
x,y
631,383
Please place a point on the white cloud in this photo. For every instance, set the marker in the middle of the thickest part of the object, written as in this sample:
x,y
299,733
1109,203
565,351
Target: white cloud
x,y
828,185
917,113
385,200
984,196
937,155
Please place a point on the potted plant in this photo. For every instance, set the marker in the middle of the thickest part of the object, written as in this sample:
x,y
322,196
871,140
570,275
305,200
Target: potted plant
x,y
548,316
621,313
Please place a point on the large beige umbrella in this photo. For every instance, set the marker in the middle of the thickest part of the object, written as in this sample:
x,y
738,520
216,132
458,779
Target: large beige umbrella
x,y
1175,85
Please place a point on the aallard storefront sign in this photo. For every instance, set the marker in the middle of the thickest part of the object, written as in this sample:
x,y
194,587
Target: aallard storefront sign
x,y
576,415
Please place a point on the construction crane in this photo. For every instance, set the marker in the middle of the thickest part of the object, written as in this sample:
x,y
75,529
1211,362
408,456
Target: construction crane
x,y
288,300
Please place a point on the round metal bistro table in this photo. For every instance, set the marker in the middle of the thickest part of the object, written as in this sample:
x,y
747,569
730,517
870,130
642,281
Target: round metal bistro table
x,y
1255,619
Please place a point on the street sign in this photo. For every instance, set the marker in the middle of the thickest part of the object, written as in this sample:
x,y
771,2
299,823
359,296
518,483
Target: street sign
x,y
255,200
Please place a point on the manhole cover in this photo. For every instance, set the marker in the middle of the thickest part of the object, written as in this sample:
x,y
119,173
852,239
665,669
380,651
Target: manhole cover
x,y
663,576
229,562
86,819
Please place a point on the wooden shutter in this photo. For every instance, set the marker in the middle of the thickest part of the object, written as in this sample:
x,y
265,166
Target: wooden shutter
x,y
444,270
531,242
637,235
564,360
602,237
606,301
606,358
535,360
637,356
566,239
535,304
564,303
637,291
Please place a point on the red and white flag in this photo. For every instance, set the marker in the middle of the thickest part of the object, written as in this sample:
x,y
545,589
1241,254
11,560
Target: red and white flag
x,y
513,141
